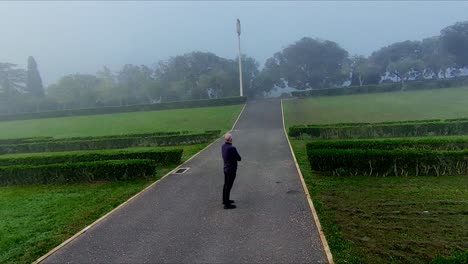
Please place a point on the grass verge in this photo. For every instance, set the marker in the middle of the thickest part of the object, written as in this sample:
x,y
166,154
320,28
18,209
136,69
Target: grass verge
x,y
389,220
195,119
35,219
382,107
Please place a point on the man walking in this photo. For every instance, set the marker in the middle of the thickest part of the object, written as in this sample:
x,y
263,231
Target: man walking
x,y
230,157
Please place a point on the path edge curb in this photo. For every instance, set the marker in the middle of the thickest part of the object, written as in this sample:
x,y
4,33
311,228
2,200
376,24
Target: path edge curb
x,y
82,231
238,117
309,199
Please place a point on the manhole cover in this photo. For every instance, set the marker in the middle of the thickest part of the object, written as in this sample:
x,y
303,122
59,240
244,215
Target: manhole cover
x,y
181,170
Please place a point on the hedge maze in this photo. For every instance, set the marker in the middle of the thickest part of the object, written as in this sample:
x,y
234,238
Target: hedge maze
x,y
104,158
414,148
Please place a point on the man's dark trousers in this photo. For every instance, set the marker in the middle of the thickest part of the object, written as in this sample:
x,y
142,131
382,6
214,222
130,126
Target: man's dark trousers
x,y
229,178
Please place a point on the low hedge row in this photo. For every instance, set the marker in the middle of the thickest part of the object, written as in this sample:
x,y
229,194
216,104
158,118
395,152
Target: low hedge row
x,y
129,108
111,143
383,123
162,157
112,170
51,139
382,130
141,135
22,140
457,119
381,163
381,88
390,144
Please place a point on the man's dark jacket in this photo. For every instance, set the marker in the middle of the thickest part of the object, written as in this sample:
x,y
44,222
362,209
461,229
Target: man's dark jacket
x,y
230,157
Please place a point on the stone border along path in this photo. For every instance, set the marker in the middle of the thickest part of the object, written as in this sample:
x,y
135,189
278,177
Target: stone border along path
x,y
181,219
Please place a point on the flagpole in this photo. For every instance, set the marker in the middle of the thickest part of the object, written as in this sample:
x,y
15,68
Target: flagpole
x,y
240,58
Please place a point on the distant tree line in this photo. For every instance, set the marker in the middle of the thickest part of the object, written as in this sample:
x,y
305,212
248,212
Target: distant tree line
x,y
316,64
306,64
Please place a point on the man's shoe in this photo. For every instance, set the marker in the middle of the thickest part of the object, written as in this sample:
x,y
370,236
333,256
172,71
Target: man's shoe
x,y
229,206
230,202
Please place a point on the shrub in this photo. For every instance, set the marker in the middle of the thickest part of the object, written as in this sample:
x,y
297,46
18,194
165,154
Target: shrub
x,y
381,123
381,130
457,258
390,144
111,143
142,135
113,170
22,140
352,162
129,108
213,132
153,134
162,157
457,119
51,139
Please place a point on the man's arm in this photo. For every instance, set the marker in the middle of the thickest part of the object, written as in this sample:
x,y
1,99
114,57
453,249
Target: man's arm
x,y
236,154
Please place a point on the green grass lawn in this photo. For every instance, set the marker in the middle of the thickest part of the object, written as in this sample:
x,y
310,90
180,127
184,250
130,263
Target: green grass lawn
x,y
194,119
392,219
411,105
389,220
35,219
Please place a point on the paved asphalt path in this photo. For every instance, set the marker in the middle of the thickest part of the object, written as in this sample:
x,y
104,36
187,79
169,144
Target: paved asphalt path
x,y
181,219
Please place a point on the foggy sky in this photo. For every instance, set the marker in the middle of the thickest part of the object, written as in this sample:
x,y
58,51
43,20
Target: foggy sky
x,y
81,37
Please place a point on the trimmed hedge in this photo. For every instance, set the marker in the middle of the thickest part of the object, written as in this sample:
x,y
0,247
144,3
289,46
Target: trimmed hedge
x,y
22,140
113,170
162,157
111,143
382,88
51,139
384,123
390,144
142,135
382,130
381,163
457,119
129,108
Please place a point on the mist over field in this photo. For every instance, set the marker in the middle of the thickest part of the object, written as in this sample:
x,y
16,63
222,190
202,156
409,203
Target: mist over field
x,y
93,42
341,128
81,37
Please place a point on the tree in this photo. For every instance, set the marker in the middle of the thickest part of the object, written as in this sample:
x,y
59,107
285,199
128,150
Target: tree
x,y
363,72
12,80
454,40
216,84
12,85
435,58
269,78
76,91
178,91
107,89
150,88
395,52
309,63
136,84
34,81
184,72
250,74
405,68
199,75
